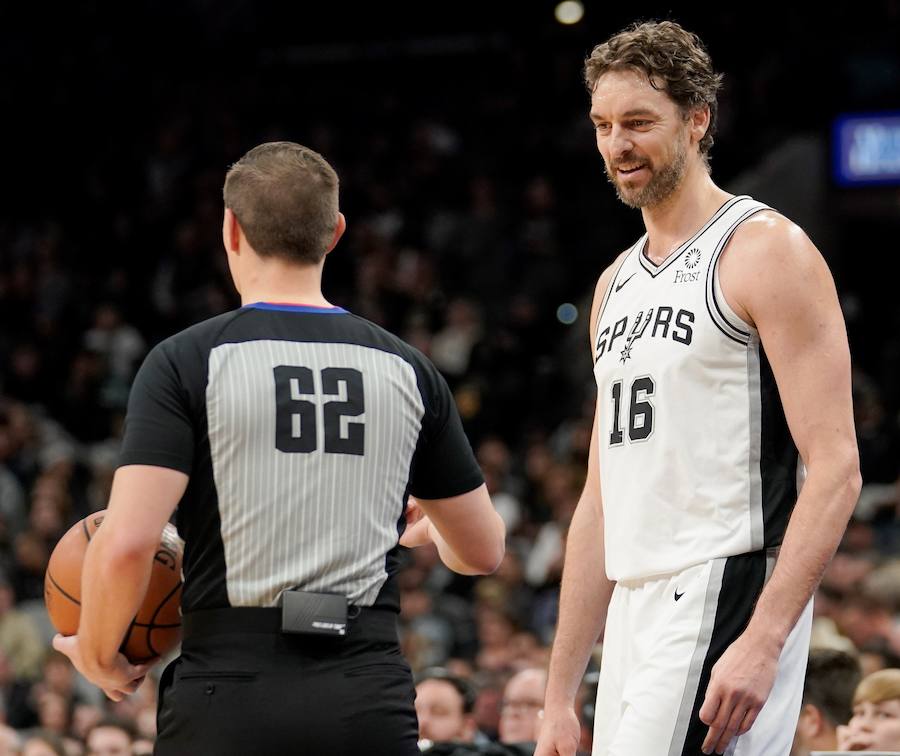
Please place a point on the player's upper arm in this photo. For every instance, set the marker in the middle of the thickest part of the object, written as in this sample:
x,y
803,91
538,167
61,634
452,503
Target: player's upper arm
x,y
774,278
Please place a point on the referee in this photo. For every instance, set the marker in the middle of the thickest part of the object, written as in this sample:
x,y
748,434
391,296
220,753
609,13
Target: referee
x,y
290,434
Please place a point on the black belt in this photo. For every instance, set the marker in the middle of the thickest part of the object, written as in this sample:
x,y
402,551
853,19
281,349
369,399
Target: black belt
x,y
252,619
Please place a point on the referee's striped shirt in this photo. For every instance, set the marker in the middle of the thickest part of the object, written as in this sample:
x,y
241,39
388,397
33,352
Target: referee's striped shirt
x,y
303,430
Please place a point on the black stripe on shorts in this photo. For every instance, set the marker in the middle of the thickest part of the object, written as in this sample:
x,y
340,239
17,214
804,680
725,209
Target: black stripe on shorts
x,y
742,581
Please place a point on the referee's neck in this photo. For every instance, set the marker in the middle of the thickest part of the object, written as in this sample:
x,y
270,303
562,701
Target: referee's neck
x,y
278,281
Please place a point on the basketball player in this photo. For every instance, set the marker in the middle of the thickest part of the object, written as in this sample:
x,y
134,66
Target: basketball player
x,y
723,380
290,434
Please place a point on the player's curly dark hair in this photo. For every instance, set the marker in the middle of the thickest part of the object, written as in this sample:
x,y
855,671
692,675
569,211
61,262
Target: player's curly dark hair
x,y
674,60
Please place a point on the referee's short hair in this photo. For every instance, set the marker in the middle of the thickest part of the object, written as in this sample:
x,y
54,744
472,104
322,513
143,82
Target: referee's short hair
x,y
285,196
466,689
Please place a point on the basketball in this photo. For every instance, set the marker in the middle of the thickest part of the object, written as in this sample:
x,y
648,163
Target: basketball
x,y
156,629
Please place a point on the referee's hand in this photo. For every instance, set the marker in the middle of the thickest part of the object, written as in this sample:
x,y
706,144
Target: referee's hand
x,y
117,681
738,688
416,533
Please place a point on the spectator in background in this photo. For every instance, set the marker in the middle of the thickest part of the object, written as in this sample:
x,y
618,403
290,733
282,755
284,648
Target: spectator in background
x,y
495,459
20,639
42,743
875,724
120,344
496,629
110,737
489,685
15,698
877,433
12,497
444,705
53,710
831,680
84,717
876,656
866,620
523,701
10,742
451,347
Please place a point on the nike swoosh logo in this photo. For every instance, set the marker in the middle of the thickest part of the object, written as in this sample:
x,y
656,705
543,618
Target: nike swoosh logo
x,y
678,595
619,286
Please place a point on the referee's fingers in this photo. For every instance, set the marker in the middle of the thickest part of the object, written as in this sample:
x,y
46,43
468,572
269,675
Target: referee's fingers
x,y
114,694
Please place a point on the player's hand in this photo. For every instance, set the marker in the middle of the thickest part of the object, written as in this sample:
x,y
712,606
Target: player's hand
x,y
416,533
739,685
560,733
121,679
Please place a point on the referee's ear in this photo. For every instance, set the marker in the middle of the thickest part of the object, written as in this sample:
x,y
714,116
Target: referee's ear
x,y
338,232
231,231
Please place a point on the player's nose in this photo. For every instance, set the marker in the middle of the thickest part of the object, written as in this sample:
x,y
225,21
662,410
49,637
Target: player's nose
x,y
620,143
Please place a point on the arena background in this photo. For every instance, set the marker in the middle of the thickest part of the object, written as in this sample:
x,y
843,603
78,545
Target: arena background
x,y
479,218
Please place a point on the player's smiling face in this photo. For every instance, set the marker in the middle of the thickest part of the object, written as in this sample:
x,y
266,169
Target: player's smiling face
x,y
641,135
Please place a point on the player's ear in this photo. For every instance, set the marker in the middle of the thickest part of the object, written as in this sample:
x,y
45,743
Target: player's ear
x,y
339,229
231,232
698,123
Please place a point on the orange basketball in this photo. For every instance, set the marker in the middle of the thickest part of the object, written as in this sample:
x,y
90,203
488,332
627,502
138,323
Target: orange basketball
x,y
156,629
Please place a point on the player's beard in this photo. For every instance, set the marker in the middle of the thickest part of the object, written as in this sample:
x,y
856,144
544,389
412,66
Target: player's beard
x,y
663,180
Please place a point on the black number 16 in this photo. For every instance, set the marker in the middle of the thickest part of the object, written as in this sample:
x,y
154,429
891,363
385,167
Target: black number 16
x,y
640,411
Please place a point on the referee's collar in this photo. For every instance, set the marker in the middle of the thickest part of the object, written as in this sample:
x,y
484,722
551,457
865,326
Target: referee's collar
x,y
294,307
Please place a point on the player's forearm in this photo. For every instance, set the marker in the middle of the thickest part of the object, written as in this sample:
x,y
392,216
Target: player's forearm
x,y
817,524
583,602
114,581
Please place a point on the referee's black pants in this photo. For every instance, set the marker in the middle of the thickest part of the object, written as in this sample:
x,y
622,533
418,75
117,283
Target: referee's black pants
x,y
242,688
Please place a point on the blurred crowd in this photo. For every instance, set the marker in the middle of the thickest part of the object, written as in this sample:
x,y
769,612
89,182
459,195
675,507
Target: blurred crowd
x,y
478,221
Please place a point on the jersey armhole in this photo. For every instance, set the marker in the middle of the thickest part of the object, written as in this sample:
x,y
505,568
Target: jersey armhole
x,y
725,318
609,289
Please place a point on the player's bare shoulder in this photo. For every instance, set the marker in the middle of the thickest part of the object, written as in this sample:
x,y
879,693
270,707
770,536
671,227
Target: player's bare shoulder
x,y
767,256
768,242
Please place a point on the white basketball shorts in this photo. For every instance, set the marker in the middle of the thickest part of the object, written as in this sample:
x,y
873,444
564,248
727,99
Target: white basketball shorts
x,y
663,636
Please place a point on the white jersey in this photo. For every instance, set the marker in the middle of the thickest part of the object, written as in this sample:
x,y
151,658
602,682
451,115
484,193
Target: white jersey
x,y
696,460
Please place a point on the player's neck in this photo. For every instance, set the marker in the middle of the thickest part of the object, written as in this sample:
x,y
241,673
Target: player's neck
x,y
275,281
682,214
